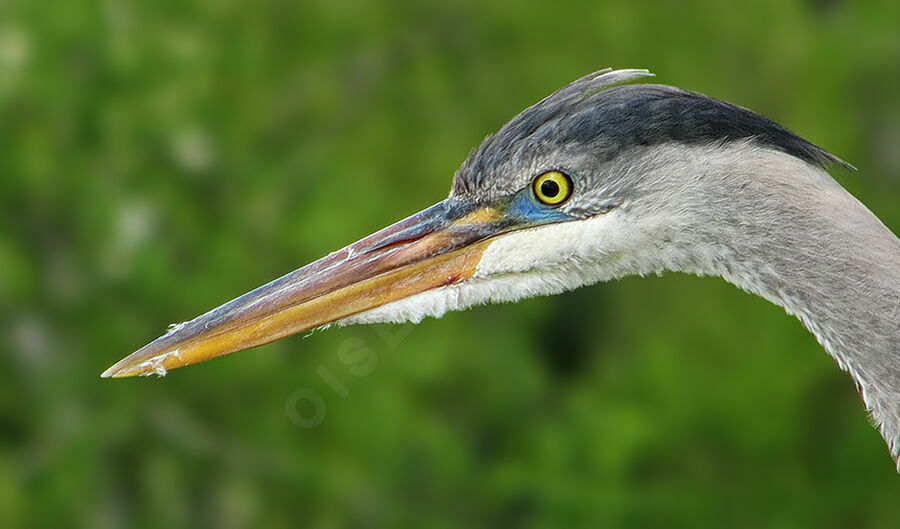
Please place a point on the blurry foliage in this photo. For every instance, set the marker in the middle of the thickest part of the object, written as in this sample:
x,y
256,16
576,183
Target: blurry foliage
x,y
159,158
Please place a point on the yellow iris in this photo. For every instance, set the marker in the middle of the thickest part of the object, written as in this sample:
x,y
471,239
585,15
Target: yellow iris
x,y
552,188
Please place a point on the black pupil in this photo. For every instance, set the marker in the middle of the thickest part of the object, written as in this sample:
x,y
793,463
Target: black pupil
x,y
549,188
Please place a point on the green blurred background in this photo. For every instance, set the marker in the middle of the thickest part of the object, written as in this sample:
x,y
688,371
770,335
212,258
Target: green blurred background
x,y
159,158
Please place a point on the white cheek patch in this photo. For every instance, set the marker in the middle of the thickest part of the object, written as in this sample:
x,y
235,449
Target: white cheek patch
x,y
552,245
539,261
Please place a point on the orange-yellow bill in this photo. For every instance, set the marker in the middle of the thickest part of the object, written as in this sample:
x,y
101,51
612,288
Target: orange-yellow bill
x,y
439,246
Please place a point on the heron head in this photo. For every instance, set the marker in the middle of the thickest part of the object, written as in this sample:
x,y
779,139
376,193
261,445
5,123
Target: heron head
x,y
555,200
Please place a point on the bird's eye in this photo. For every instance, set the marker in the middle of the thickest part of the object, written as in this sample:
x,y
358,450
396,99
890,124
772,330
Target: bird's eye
x,y
552,188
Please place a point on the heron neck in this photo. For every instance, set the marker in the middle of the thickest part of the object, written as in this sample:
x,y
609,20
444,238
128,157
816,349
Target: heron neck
x,y
788,232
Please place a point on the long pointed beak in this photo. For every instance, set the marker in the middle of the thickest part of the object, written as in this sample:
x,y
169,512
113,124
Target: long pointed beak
x,y
439,246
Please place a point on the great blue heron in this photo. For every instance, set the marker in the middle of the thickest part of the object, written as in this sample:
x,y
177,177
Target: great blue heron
x,y
600,180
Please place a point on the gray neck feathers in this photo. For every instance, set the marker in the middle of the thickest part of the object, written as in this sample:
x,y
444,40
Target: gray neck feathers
x,y
781,228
